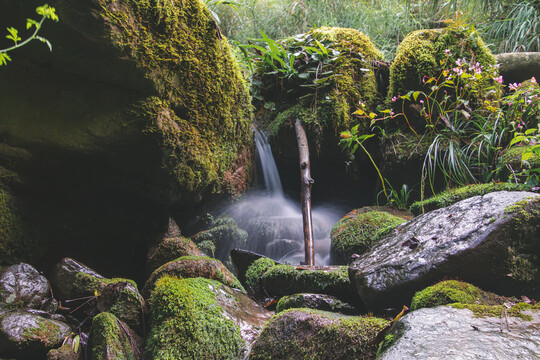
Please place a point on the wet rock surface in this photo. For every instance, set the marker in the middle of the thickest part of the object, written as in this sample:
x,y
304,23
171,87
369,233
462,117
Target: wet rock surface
x,y
170,249
64,278
113,339
316,302
30,333
312,334
242,260
22,286
491,241
447,333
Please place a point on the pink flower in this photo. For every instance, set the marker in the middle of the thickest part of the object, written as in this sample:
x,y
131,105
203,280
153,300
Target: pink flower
x,y
394,98
421,101
499,79
447,52
533,80
458,62
514,86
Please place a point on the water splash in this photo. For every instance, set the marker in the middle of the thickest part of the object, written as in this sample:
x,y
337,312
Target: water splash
x,y
274,222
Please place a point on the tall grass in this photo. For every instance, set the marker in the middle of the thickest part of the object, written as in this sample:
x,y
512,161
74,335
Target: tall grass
x,y
507,25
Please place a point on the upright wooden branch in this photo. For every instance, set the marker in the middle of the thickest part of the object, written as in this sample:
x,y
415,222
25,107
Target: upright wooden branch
x,y
306,181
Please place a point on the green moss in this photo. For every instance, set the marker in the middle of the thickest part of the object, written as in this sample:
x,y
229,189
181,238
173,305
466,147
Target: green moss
x,y
512,157
313,334
453,291
45,331
422,53
109,340
328,108
87,284
452,196
202,114
287,279
187,322
355,235
310,301
208,247
255,272
128,306
461,295
387,343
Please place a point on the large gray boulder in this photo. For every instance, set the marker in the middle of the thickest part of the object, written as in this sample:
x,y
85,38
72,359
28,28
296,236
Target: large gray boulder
x,y
448,333
29,334
519,66
22,286
492,241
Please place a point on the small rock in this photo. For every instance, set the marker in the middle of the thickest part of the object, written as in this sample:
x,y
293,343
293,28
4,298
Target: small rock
x,y
170,249
316,302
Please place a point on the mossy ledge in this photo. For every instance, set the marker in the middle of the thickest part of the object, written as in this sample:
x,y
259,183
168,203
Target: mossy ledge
x,y
452,196
462,295
187,322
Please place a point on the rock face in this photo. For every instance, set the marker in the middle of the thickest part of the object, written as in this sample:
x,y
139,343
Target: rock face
x,y
140,108
311,334
170,249
201,319
519,66
489,240
22,286
447,333
30,333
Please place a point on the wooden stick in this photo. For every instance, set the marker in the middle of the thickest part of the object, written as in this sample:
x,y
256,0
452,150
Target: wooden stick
x,y
306,181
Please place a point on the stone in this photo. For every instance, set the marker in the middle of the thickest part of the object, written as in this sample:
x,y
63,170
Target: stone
x,y
65,352
112,339
312,334
30,333
357,231
199,318
489,240
122,299
193,266
447,333
22,286
170,249
242,260
519,66
225,235
316,302
71,279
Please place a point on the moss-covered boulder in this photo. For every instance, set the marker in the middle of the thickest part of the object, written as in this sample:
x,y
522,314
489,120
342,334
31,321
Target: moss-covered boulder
x,y
452,196
192,267
140,108
280,280
361,228
200,319
65,352
71,279
112,339
122,299
316,302
312,334
170,249
512,158
254,273
225,234
30,334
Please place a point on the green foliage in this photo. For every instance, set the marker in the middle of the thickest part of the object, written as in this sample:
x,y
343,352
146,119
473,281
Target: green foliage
x,y
188,323
398,199
452,196
46,12
109,339
355,235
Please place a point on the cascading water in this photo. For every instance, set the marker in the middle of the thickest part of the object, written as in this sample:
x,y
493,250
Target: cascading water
x,y
274,222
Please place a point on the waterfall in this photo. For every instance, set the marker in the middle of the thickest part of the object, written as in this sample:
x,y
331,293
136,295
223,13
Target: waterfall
x,y
274,222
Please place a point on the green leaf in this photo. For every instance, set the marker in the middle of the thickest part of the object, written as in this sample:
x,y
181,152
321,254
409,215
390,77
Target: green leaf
x,y
13,35
4,58
416,94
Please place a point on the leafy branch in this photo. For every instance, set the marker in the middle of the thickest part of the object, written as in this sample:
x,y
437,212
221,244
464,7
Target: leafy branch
x,y
46,12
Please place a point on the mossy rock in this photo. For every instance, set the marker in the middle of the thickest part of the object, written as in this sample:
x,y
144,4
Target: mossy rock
x,y
512,157
461,295
224,234
315,302
64,352
188,323
359,229
170,249
112,339
454,291
254,275
421,53
280,280
452,196
192,267
312,334
122,300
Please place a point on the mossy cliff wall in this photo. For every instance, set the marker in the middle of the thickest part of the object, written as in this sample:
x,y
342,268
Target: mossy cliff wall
x,y
139,108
